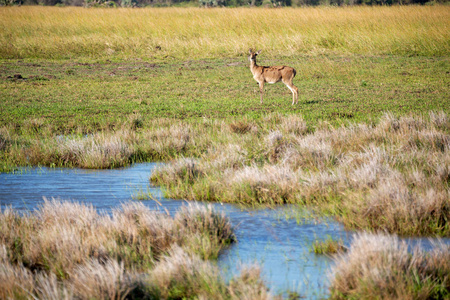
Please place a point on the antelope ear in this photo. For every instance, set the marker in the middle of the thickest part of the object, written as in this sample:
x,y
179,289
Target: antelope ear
x,y
250,51
258,52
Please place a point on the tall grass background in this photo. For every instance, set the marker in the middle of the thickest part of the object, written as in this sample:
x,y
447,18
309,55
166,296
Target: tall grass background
x,y
70,32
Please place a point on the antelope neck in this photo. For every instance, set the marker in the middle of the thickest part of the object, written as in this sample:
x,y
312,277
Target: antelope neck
x,y
253,64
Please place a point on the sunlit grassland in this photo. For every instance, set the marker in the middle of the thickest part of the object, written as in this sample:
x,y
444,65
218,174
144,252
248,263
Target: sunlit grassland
x,y
96,69
63,96
99,88
368,143
60,33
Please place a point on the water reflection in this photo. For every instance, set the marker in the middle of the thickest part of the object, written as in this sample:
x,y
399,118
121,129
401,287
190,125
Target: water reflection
x,y
279,243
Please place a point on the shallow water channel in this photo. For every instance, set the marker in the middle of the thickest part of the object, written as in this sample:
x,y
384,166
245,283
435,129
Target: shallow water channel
x,y
275,239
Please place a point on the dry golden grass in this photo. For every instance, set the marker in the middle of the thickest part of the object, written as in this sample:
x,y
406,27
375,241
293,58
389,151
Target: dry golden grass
x,y
52,32
61,235
98,151
391,176
381,267
68,250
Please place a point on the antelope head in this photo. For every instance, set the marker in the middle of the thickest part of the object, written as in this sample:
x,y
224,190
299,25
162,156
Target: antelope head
x,y
252,55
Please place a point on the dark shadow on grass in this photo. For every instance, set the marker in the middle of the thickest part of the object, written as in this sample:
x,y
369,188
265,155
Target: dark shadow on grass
x,y
310,102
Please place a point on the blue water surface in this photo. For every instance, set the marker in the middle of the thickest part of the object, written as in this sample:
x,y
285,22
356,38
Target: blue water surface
x,y
273,238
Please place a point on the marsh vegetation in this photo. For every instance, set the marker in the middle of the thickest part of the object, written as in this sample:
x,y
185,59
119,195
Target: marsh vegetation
x,y
68,250
368,143
380,266
329,246
391,176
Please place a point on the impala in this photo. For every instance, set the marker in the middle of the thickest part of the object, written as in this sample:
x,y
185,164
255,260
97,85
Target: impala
x,y
272,75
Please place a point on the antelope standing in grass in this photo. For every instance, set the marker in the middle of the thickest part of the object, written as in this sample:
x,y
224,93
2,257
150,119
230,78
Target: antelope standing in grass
x,y
272,75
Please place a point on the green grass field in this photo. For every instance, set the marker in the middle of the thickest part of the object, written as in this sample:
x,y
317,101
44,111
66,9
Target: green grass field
x,y
337,89
97,68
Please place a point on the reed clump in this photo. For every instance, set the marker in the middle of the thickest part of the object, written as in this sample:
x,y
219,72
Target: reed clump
x,y
380,267
206,227
101,150
248,285
68,250
328,246
97,151
243,126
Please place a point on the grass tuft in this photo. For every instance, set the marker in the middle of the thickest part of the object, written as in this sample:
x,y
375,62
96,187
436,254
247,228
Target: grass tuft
x,y
381,266
68,250
328,246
